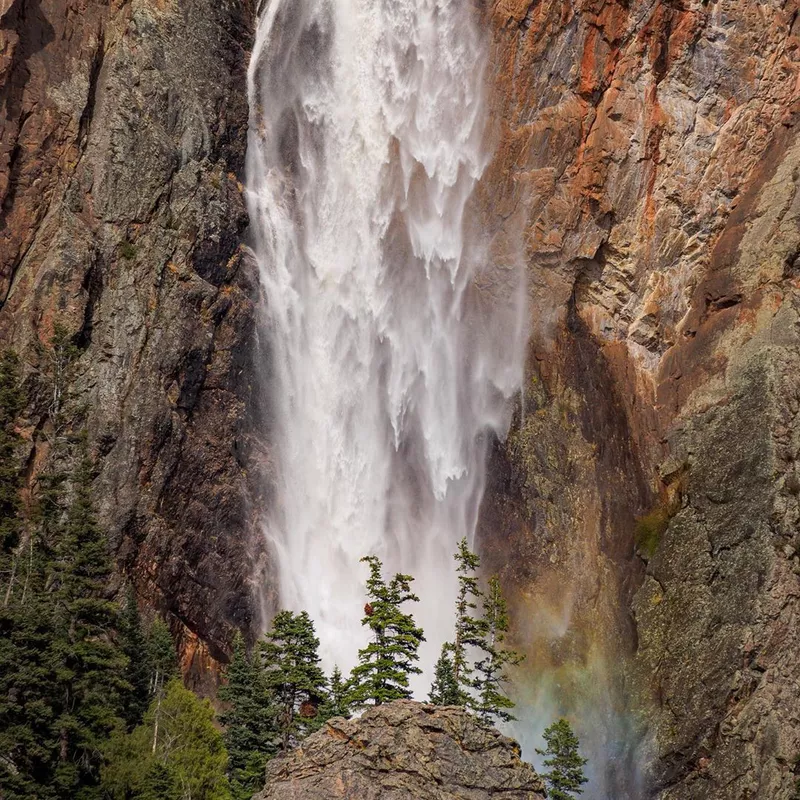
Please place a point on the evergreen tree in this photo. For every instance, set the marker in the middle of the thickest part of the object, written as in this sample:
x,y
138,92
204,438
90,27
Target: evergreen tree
x,y
292,675
444,689
89,665
163,664
187,761
29,693
566,777
491,702
163,668
158,784
336,704
11,404
138,674
386,663
469,629
250,727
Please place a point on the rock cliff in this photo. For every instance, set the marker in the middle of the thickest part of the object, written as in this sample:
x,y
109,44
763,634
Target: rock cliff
x,y
648,155
122,140
404,751
644,509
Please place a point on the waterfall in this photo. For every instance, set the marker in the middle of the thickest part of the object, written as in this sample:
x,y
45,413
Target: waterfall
x,y
395,331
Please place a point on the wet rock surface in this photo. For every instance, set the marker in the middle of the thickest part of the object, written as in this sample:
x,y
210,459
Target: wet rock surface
x,y
648,156
404,751
123,143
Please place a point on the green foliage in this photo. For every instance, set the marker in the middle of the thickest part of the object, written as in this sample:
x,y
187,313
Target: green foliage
x,y
565,777
11,405
250,726
88,664
138,673
63,674
176,753
386,663
492,703
292,675
161,656
469,630
336,705
444,689
29,693
127,251
650,528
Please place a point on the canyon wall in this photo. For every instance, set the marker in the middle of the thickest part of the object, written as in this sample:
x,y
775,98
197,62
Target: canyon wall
x,y
643,510
645,504
122,139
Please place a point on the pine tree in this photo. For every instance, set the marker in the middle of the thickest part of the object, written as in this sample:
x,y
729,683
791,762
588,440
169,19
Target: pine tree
x,y
29,694
444,689
292,675
163,668
163,664
469,630
250,728
11,404
89,666
336,705
566,776
385,664
134,644
189,758
491,702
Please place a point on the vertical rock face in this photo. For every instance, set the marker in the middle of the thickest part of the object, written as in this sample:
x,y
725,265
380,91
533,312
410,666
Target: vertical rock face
x,y
123,139
649,153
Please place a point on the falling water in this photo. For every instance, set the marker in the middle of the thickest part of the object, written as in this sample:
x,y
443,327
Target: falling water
x,y
395,335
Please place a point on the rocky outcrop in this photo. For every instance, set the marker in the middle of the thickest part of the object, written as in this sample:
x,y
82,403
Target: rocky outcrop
x,y
648,155
404,751
123,140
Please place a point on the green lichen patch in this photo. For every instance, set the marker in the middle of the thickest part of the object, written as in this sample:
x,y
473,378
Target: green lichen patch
x,y
651,527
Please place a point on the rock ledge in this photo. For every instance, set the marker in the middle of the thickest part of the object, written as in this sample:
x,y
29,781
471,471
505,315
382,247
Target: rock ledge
x,y
404,751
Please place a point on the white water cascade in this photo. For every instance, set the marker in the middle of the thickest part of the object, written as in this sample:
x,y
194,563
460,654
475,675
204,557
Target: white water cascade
x,y
396,339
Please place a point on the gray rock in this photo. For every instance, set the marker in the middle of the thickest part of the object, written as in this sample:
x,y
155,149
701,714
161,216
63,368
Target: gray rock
x,y
404,751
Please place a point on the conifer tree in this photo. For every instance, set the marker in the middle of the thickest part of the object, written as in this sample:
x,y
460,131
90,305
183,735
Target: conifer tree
x,y
11,403
385,664
250,727
29,695
565,777
89,666
444,689
492,703
336,705
163,668
292,675
161,656
134,644
469,629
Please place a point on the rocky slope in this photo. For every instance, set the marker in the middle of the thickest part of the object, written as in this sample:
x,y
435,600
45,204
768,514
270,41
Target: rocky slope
x,y
122,139
404,751
648,154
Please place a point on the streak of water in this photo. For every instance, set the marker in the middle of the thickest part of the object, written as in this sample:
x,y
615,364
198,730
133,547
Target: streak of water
x,y
396,339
